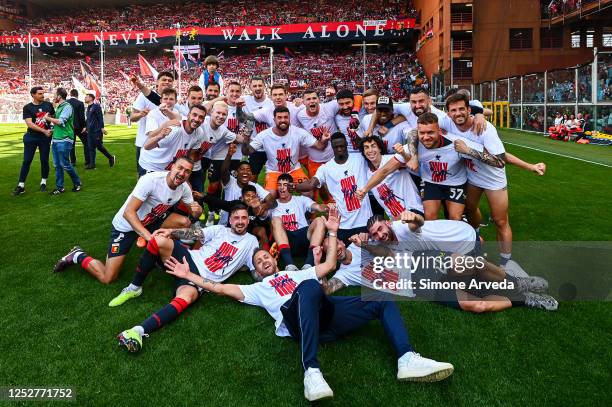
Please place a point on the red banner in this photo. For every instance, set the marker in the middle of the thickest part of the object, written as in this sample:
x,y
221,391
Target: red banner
x,y
331,31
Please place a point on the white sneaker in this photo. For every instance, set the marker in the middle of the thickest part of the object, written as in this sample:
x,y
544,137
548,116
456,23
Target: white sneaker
x,y
315,386
291,267
306,266
413,367
513,269
211,219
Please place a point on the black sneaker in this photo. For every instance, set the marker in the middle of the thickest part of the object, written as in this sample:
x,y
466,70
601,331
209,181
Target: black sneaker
x,y
76,188
90,167
66,260
111,161
43,187
18,191
57,191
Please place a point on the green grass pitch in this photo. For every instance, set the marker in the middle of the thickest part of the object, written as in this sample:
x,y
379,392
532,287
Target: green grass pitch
x,y
57,330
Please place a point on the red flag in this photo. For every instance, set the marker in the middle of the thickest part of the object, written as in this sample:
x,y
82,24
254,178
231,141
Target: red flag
x,y
146,69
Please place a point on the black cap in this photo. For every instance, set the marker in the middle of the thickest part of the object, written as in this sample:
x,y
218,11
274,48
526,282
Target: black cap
x,y
384,102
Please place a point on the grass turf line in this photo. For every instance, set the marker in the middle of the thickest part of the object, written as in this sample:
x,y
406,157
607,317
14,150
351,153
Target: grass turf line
x,y
58,329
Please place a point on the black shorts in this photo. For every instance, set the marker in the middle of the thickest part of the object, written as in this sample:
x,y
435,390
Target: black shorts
x,y
178,253
214,171
120,243
257,159
427,271
344,234
298,241
438,192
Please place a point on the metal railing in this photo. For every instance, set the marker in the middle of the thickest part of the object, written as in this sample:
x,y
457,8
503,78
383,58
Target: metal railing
x,y
534,99
461,18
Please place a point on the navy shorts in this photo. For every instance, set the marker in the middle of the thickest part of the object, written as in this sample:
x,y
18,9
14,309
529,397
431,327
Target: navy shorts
x,y
344,234
438,192
298,240
120,243
178,253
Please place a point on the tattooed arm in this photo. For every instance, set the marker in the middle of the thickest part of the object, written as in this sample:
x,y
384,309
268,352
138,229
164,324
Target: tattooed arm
x,y
332,286
413,148
181,270
195,232
484,156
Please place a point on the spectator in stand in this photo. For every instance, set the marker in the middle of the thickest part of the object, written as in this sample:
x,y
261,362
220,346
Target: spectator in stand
x,y
205,14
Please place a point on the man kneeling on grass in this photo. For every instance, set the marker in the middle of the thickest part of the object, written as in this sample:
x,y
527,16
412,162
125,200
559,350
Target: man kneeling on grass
x,y
295,299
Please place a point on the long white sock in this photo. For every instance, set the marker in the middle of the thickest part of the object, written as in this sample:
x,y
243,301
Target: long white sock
x,y
75,256
43,181
21,184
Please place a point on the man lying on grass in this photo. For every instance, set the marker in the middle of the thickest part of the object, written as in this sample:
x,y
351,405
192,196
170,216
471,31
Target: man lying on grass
x,y
295,299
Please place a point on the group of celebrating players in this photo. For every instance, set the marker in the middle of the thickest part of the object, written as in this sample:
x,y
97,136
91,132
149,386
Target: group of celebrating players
x,y
340,176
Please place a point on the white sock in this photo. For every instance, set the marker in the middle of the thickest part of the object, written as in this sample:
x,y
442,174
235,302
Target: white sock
x,y
75,256
139,329
21,184
133,287
43,181
478,229
506,256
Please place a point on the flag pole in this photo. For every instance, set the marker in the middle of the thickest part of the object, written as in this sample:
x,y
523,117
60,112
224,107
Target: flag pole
x,y
364,66
178,62
271,66
103,90
30,60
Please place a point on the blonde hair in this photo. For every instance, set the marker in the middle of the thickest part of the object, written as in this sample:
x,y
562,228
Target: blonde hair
x,y
220,104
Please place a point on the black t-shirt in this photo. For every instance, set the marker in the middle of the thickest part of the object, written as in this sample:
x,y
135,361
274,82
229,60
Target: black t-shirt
x,y
36,113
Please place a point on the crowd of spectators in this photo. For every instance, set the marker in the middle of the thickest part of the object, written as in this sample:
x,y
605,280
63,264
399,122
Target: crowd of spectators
x,y
556,8
604,77
393,73
231,13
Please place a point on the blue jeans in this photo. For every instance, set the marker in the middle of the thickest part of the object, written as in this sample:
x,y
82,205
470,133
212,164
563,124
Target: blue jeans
x,y
61,161
312,318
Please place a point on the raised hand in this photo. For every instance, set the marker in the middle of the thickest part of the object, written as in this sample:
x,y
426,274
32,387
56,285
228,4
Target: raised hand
x,y
232,149
360,239
332,222
174,267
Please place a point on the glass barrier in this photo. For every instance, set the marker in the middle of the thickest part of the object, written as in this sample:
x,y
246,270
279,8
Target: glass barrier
x,y
515,117
485,92
604,78
501,90
533,88
515,90
603,120
584,84
566,112
533,118
560,86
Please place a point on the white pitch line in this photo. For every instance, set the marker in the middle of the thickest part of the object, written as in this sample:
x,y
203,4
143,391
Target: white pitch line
x,y
560,155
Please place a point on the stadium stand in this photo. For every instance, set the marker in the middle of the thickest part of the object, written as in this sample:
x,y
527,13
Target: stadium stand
x,y
204,14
